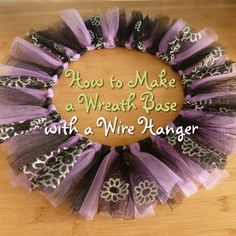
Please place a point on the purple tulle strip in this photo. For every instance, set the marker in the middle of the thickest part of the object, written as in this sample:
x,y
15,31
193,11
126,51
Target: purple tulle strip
x,y
203,97
165,176
86,157
13,113
197,173
110,25
60,194
31,67
90,204
208,37
12,96
40,94
215,129
75,22
17,71
210,60
23,149
170,35
200,83
26,52
190,182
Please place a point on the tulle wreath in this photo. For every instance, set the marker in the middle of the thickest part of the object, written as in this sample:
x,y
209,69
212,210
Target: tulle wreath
x,y
125,181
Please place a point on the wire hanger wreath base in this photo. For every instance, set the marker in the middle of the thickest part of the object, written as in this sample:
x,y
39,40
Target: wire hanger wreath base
x,y
123,181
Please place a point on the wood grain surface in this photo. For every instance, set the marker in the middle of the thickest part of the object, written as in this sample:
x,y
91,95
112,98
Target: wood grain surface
x,y
208,213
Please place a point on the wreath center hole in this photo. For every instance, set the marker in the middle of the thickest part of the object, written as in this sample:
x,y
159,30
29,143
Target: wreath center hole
x,y
123,65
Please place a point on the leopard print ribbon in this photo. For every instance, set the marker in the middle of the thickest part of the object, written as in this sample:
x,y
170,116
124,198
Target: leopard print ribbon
x,y
56,165
25,82
23,127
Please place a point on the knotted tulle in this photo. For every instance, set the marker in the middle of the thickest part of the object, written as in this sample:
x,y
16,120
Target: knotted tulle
x,y
110,25
24,51
76,24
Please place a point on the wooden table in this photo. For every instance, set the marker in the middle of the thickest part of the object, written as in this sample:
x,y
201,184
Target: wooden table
x,y
209,213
